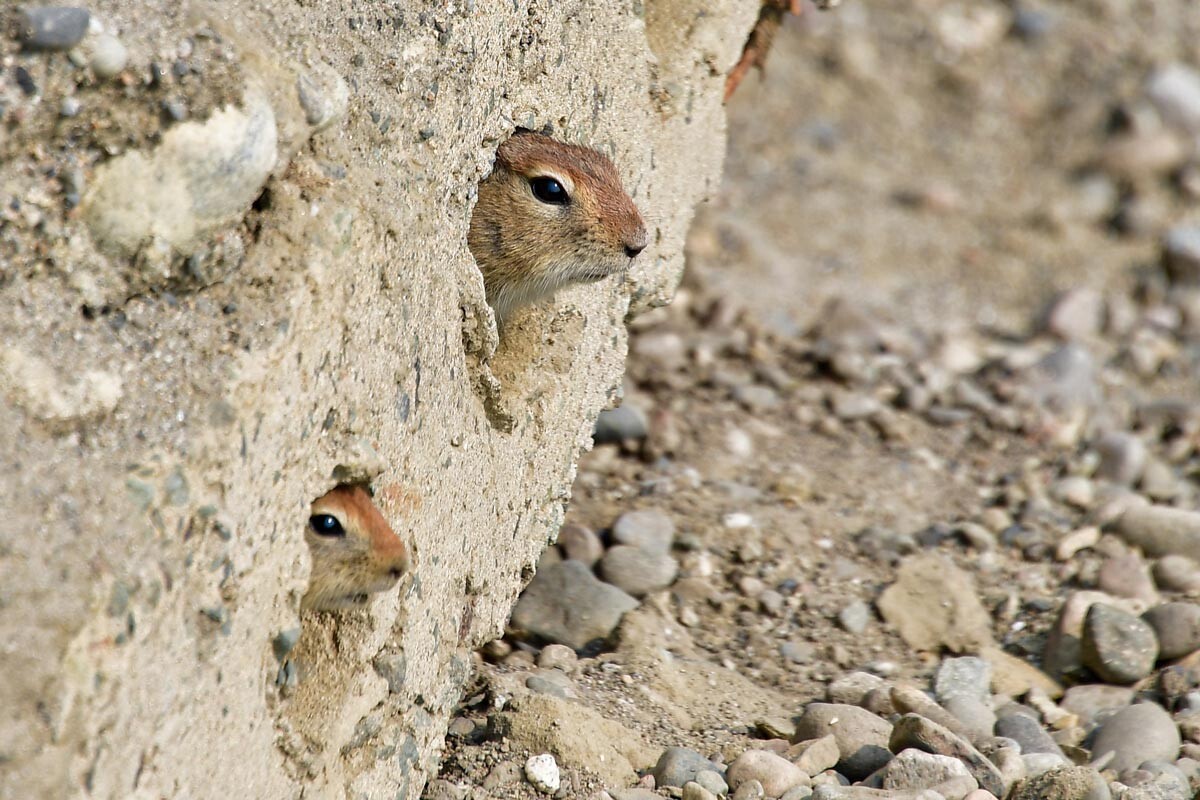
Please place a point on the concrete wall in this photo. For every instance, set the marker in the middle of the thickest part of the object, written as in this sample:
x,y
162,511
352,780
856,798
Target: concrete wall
x,y
230,287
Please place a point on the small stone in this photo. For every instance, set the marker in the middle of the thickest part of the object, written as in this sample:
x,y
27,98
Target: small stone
x,y
70,107
1090,701
284,642
755,398
913,770
1064,783
852,688
52,27
1181,255
1177,627
933,603
1075,314
816,755
1127,576
1175,92
1079,539
551,682
506,773
565,603
713,781
580,544
557,656
323,94
750,790
853,405
694,791
542,772
1138,733
798,652
855,617
913,730
615,425
1062,655
862,737
679,765
776,774
108,57
1028,732
1118,647
652,530
1177,574
638,571
907,700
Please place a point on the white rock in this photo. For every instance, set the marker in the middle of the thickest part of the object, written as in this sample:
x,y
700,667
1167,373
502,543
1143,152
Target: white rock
x,y
542,772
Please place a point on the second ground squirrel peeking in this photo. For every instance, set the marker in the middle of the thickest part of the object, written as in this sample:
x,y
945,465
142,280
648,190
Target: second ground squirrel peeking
x,y
355,553
549,215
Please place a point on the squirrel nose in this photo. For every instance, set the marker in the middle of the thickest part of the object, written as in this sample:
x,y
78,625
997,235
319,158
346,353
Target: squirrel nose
x,y
632,250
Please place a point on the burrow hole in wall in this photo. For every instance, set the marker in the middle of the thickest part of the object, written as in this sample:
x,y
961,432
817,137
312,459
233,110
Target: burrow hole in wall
x,y
357,553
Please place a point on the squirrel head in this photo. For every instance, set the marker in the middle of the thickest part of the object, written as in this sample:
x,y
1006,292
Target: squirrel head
x,y
354,551
550,214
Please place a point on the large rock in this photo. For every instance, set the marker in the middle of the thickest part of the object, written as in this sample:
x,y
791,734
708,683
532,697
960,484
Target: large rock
x,y
1143,732
933,604
567,604
165,442
913,730
862,737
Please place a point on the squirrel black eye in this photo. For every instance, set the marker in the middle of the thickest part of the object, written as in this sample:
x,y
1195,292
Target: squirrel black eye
x,y
326,525
548,190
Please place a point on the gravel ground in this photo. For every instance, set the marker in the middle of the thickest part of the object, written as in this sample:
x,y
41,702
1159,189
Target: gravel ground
x,y
901,499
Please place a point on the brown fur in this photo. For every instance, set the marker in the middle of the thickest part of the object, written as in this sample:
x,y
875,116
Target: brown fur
x,y
346,569
527,249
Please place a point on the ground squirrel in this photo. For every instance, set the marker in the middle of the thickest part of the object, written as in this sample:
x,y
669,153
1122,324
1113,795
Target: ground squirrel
x,y
550,214
354,551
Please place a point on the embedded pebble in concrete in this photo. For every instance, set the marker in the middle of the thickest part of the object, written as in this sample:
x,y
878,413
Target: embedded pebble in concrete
x,y
1118,647
52,27
1177,627
323,94
651,529
636,570
1138,733
108,56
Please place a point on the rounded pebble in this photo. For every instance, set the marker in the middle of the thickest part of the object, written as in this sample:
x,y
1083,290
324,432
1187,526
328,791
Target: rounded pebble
x,y
1144,732
109,56
1118,647
53,27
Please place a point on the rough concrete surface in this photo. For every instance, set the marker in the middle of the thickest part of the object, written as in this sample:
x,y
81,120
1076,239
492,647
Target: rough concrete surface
x,y
235,273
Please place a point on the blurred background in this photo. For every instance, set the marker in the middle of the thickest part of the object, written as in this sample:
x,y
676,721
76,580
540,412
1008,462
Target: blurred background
x,y
939,332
